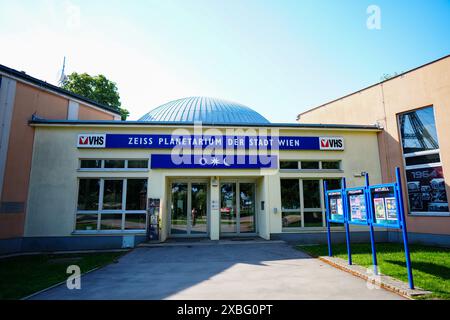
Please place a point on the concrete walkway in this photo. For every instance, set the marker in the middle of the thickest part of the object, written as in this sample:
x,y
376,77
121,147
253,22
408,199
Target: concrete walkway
x,y
270,270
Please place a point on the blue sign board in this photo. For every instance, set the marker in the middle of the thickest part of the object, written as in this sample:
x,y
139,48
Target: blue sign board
x,y
374,206
385,208
357,206
169,141
169,161
335,206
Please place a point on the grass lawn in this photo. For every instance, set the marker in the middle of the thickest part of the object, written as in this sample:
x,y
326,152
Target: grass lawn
x,y
431,265
23,275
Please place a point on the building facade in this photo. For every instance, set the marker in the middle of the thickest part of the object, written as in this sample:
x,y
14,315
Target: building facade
x,y
413,109
21,97
216,170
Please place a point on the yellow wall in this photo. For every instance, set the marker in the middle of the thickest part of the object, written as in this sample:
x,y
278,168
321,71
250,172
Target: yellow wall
x,y
52,198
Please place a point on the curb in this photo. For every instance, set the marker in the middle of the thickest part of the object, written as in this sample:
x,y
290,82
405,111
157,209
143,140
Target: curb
x,y
386,282
212,243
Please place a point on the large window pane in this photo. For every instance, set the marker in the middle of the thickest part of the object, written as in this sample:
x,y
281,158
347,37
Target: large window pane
x,y
88,194
86,222
311,193
313,219
136,194
112,195
135,221
291,219
290,194
110,221
418,130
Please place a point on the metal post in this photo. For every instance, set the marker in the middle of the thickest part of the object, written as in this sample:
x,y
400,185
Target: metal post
x,y
403,226
370,220
325,189
347,227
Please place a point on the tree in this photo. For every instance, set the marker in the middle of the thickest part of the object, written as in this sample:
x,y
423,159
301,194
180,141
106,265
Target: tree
x,y
97,88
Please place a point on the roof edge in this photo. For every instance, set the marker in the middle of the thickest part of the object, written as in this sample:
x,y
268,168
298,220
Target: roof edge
x,y
43,84
39,121
371,86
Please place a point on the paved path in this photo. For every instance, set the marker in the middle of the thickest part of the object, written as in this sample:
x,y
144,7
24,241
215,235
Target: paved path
x,y
270,270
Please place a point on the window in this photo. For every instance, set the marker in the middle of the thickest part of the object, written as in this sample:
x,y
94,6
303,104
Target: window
x,y
288,164
141,164
114,164
112,195
290,194
136,194
94,164
331,165
310,164
424,176
89,190
111,204
290,203
311,193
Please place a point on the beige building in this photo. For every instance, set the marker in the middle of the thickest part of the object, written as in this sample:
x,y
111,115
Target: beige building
x,y
413,109
21,97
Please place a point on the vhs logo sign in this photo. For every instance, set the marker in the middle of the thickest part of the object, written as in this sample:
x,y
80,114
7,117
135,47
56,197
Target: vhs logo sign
x,y
331,143
91,140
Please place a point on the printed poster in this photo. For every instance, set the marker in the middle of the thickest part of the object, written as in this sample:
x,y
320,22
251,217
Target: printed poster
x,y
340,208
333,206
358,207
391,208
380,210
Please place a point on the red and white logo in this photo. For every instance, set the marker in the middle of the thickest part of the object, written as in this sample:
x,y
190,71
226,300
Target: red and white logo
x,y
331,143
91,140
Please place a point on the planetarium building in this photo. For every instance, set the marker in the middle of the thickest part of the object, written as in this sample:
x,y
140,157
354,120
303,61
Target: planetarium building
x,y
196,167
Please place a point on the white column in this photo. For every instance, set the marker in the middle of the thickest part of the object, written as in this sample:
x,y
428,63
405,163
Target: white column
x,y
214,216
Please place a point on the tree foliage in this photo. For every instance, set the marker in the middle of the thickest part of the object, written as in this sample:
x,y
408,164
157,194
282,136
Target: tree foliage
x,y
97,88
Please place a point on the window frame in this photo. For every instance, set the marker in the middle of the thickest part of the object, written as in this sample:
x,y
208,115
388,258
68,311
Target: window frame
x,y
320,169
302,210
101,211
419,166
102,166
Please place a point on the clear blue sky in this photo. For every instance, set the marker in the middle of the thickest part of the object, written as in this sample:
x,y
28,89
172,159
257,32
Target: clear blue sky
x,y
279,57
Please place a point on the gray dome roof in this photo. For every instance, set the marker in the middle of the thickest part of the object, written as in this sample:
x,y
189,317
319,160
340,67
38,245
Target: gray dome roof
x,y
204,109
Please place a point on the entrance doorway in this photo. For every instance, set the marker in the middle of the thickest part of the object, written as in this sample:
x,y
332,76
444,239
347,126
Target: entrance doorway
x,y
189,209
237,208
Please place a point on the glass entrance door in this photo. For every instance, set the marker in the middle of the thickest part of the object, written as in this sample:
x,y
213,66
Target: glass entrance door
x,y
237,209
189,209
